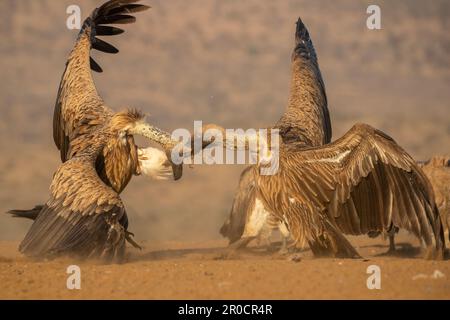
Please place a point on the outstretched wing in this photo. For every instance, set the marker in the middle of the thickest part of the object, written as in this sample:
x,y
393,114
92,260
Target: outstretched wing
x,y
79,109
362,182
306,118
82,216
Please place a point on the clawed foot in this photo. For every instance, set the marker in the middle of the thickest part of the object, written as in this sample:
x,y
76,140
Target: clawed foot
x,y
129,237
114,247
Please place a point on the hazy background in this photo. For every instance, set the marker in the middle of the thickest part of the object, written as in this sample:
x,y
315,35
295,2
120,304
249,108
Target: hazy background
x,y
218,61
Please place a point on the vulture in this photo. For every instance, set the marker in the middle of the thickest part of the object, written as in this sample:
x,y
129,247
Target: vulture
x,y
305,123
437,169
363,182
84,215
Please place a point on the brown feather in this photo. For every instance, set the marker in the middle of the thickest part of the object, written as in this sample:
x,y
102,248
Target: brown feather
x,y
306,121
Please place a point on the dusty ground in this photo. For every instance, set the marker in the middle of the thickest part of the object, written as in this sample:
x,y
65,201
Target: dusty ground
x,y
226,62
191,271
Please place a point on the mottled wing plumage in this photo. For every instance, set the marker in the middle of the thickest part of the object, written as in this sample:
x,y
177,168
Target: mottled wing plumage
x,y
305,123
79,109
83,216
362,182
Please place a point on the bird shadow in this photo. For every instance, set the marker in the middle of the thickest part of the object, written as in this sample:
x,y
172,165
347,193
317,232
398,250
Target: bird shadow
x,y
213,253
403,250
168,254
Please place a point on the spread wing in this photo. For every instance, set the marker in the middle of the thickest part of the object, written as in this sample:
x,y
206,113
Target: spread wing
x,y
362,182
306,118
78,217
79,109
305,123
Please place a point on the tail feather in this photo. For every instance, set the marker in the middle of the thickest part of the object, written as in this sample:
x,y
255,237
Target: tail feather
x,y
27,214
111,12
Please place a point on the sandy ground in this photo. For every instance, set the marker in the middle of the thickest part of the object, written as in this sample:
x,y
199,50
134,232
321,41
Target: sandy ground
x,y
226,62
192,271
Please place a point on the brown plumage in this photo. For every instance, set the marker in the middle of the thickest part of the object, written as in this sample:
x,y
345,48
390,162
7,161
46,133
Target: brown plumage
x,y
305,123
306,119
79,109
84,215
362,182
437,169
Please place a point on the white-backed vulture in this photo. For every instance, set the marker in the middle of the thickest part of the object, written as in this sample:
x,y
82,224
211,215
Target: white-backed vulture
x,y
305,123
362,182
84,214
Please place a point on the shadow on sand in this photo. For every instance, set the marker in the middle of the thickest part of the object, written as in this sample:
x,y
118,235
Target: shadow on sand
x,y
403,250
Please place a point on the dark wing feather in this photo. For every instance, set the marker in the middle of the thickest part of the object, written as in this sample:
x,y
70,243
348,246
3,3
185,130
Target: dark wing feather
x,y
78,216
363,182
108,31
95,66
117,19
79,109
129,8
103,46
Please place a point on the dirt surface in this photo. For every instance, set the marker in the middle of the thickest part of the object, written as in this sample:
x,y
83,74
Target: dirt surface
x,y
226,62
196,271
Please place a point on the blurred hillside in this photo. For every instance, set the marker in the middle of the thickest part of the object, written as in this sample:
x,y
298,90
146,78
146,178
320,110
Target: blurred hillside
x,y
219,61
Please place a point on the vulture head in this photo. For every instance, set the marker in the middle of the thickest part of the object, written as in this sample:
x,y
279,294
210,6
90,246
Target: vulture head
x,y
132,122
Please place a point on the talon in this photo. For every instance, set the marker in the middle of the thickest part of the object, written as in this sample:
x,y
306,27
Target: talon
x,y
128,237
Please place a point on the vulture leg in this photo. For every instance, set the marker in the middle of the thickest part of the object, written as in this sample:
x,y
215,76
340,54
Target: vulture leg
x,y
241,243
230,251
284,247
114,249
391,243
285,234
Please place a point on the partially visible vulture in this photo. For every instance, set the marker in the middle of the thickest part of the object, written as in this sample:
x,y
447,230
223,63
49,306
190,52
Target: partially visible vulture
x,y
437,169
84,215
305,123
360,183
